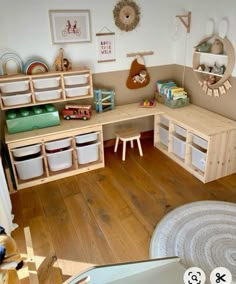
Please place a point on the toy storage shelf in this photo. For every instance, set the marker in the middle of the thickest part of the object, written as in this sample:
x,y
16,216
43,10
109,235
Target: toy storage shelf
x,y
59,155
228,59
200,141
51,87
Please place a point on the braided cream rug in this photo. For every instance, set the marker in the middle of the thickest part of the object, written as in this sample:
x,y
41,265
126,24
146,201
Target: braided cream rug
x,y
201,233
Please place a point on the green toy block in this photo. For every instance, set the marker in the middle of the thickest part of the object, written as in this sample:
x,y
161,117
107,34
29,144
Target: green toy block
x,y
26,119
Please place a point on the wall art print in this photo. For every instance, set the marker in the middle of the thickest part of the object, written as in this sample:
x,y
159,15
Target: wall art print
x,y
70,26
105,47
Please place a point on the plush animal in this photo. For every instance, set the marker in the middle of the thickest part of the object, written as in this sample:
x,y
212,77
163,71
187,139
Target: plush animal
x,y
217,47
66,65
10,259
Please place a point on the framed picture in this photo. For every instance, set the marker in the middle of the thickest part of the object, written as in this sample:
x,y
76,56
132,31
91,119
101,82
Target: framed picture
x,y
70,26
105,47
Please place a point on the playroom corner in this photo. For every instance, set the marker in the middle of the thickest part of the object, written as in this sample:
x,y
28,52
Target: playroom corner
x,y
117,123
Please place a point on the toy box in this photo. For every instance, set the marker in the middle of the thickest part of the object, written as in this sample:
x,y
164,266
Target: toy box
x,y
25,119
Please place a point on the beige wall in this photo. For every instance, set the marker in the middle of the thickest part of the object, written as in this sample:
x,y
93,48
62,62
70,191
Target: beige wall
x,y
116,80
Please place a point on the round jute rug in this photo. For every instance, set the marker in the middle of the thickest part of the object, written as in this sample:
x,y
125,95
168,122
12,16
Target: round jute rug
x,y
201,233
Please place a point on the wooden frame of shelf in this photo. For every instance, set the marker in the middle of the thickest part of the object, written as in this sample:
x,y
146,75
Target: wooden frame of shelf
x,y
62,87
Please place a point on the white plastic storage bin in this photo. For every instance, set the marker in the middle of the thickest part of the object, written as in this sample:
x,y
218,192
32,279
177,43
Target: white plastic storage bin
x,y
52,82
200,141
48,95
164,121
164,133
58,144
76,92
85,138
26,150
29,168
60,160
89,153
180,130
76,79
199,158
179,145
14,100
12,87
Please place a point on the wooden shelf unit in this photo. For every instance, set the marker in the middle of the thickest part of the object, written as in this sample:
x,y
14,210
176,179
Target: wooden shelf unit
x,y
62,86
49,175
219,133
216,159
228,57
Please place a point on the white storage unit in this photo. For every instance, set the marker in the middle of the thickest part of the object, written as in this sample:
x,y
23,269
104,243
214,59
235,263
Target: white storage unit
x,y
180,130
26,150
179,145
200,141
58,144
88,154
26,90
164,121
60,160
76,79
45,83
86,138
164,134
12,87
48,95
77,91
29,169
199,158
15,100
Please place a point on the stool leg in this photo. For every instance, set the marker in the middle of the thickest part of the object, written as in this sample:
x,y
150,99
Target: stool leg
x,y
131,143
116,144
139,147
124,151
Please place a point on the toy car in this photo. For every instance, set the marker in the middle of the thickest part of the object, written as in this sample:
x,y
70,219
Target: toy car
x,y
83,112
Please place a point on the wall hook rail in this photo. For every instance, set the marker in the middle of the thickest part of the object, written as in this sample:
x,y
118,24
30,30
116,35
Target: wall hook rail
x,y
186,20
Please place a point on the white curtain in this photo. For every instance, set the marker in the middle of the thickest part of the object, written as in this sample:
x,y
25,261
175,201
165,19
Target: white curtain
x,y
6,216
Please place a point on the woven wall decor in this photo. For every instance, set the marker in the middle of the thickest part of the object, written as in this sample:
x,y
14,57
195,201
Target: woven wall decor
x,y
126,15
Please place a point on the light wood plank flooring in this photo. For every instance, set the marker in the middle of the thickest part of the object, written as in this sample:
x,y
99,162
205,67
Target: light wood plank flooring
x,y
108,215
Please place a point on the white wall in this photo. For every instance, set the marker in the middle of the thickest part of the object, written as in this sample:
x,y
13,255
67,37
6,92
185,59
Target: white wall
x,y
25,28
202,11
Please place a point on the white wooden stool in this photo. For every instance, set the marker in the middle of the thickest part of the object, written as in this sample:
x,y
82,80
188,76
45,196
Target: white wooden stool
x,y
125,135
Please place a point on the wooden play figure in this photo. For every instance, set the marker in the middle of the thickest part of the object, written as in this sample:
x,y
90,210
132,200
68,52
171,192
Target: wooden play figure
x,y
58,64
104,100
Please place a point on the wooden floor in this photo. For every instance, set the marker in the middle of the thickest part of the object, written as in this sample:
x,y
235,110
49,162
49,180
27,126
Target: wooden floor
x,y
108,215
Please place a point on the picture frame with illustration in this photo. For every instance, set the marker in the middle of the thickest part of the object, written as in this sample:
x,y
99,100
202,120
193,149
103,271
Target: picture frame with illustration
x,y
105,46
70,26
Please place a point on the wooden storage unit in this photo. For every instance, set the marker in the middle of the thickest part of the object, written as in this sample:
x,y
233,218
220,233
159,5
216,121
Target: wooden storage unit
x,y
227,59
200,141
28,90
55,134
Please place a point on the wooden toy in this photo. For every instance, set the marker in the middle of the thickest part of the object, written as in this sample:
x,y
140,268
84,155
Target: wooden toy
x,y
104,100
83,112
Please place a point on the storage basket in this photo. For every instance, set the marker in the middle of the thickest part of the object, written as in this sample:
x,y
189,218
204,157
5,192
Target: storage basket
x,y
199,158
85,138
88,154
164,133
29,168
60,160
26,150
58,145
179,145
177,103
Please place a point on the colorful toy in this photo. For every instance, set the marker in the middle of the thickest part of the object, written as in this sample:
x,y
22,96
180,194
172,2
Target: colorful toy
x,y
83,112
104,100
147,103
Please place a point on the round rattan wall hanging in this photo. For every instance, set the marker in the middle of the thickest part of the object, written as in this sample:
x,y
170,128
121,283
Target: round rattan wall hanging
x,y
126,15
